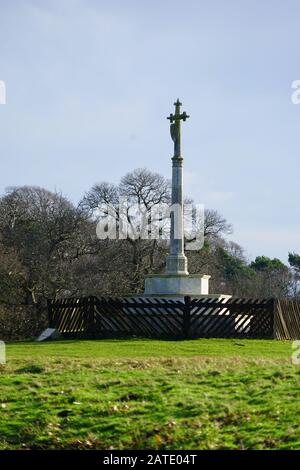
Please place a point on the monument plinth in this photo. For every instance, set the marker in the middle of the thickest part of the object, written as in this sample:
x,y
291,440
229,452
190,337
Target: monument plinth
x,y
176,285
176,282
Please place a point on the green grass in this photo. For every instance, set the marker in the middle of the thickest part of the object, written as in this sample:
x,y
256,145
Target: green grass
x,y
118,394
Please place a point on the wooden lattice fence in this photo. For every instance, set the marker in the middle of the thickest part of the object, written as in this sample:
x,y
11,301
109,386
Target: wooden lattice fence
x,y
287,319
93,317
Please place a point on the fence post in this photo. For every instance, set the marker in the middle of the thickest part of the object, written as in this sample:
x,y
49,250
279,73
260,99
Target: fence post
x,y
186,317
49,310
274,319
90,316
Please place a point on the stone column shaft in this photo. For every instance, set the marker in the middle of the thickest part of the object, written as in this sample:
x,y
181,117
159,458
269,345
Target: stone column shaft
x,y
177,261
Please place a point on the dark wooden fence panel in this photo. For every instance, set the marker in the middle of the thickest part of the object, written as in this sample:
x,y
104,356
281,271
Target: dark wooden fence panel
x,y
233,318
72,317
93,317
139,317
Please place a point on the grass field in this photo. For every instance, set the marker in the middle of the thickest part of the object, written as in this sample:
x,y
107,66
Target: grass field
x,y
118,394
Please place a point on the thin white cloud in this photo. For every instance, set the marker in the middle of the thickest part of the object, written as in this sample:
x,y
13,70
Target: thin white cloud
x,y
219,196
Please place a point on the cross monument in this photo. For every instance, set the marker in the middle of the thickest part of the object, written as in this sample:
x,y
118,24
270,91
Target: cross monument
x,y
177,261
176,282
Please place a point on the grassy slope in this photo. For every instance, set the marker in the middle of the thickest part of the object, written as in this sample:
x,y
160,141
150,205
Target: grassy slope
x,y
150,394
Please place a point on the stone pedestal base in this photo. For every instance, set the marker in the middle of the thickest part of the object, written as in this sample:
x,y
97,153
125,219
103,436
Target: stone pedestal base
x,y
176,285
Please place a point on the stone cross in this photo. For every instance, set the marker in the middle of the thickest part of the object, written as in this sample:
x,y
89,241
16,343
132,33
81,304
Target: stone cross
x,y
175,127
176,261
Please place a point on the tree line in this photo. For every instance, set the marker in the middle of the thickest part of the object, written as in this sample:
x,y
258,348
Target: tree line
x,y
49,249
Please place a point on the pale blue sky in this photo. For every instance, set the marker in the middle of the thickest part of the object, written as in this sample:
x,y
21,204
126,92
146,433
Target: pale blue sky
x,y
90,83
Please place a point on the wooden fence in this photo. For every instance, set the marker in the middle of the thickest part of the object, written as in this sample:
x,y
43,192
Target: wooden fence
x,y
93,317
287,319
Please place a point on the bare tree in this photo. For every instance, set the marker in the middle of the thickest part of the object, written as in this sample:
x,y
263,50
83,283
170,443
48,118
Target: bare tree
x,y
215,224
46,231
145,189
